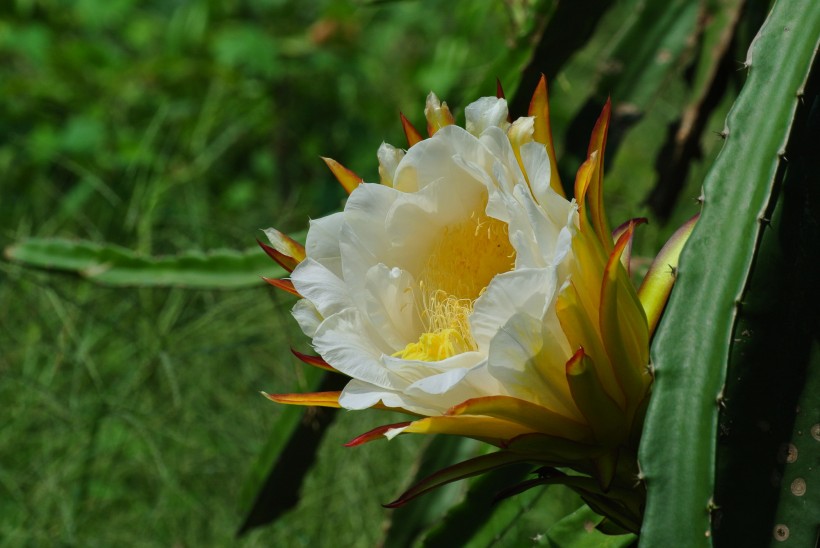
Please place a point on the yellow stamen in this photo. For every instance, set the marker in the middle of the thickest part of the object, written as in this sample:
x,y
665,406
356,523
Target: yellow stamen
x,y
461,264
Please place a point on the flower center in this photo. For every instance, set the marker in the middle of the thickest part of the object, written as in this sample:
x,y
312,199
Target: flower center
x,y
461,264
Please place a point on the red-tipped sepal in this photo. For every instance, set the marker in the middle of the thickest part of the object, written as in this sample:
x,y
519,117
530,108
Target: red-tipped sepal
x,y
346,178
284,285
315,361
410,131
288,252
626,256
288,263
376,433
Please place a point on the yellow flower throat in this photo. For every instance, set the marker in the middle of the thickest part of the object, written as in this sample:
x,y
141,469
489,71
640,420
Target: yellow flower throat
x,y
462,262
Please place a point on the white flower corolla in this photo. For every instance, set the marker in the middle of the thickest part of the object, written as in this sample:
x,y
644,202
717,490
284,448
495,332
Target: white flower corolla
x,y
439,285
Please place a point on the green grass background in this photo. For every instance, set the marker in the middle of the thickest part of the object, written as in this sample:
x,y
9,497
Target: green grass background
x,y
131,416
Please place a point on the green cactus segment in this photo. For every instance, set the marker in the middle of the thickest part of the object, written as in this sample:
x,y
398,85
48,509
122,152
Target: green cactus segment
x,y
768,460
691,347
797,520
109,264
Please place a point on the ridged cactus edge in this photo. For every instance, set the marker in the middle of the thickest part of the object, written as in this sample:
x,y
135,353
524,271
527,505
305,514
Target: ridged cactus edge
x,y
691,350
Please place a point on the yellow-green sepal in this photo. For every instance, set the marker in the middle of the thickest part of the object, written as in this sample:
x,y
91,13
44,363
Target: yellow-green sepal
x,y
604,416
658,282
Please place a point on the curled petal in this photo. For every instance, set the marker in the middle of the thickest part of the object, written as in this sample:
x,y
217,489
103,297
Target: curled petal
x,y
438,114
389,159
485,113
375,434
657,284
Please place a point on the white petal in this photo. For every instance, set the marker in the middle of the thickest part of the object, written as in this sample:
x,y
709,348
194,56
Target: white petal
x,y
522,130
361,395
322,243
505,168
484,113
528,291
323,288
457,385
351,345
537,165
431,160
528,361
541,236
393,432
389,158
306,316
389,302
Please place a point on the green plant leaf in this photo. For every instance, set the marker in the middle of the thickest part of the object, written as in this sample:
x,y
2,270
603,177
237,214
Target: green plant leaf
x,y
480,520
578,530
409,522
768,460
